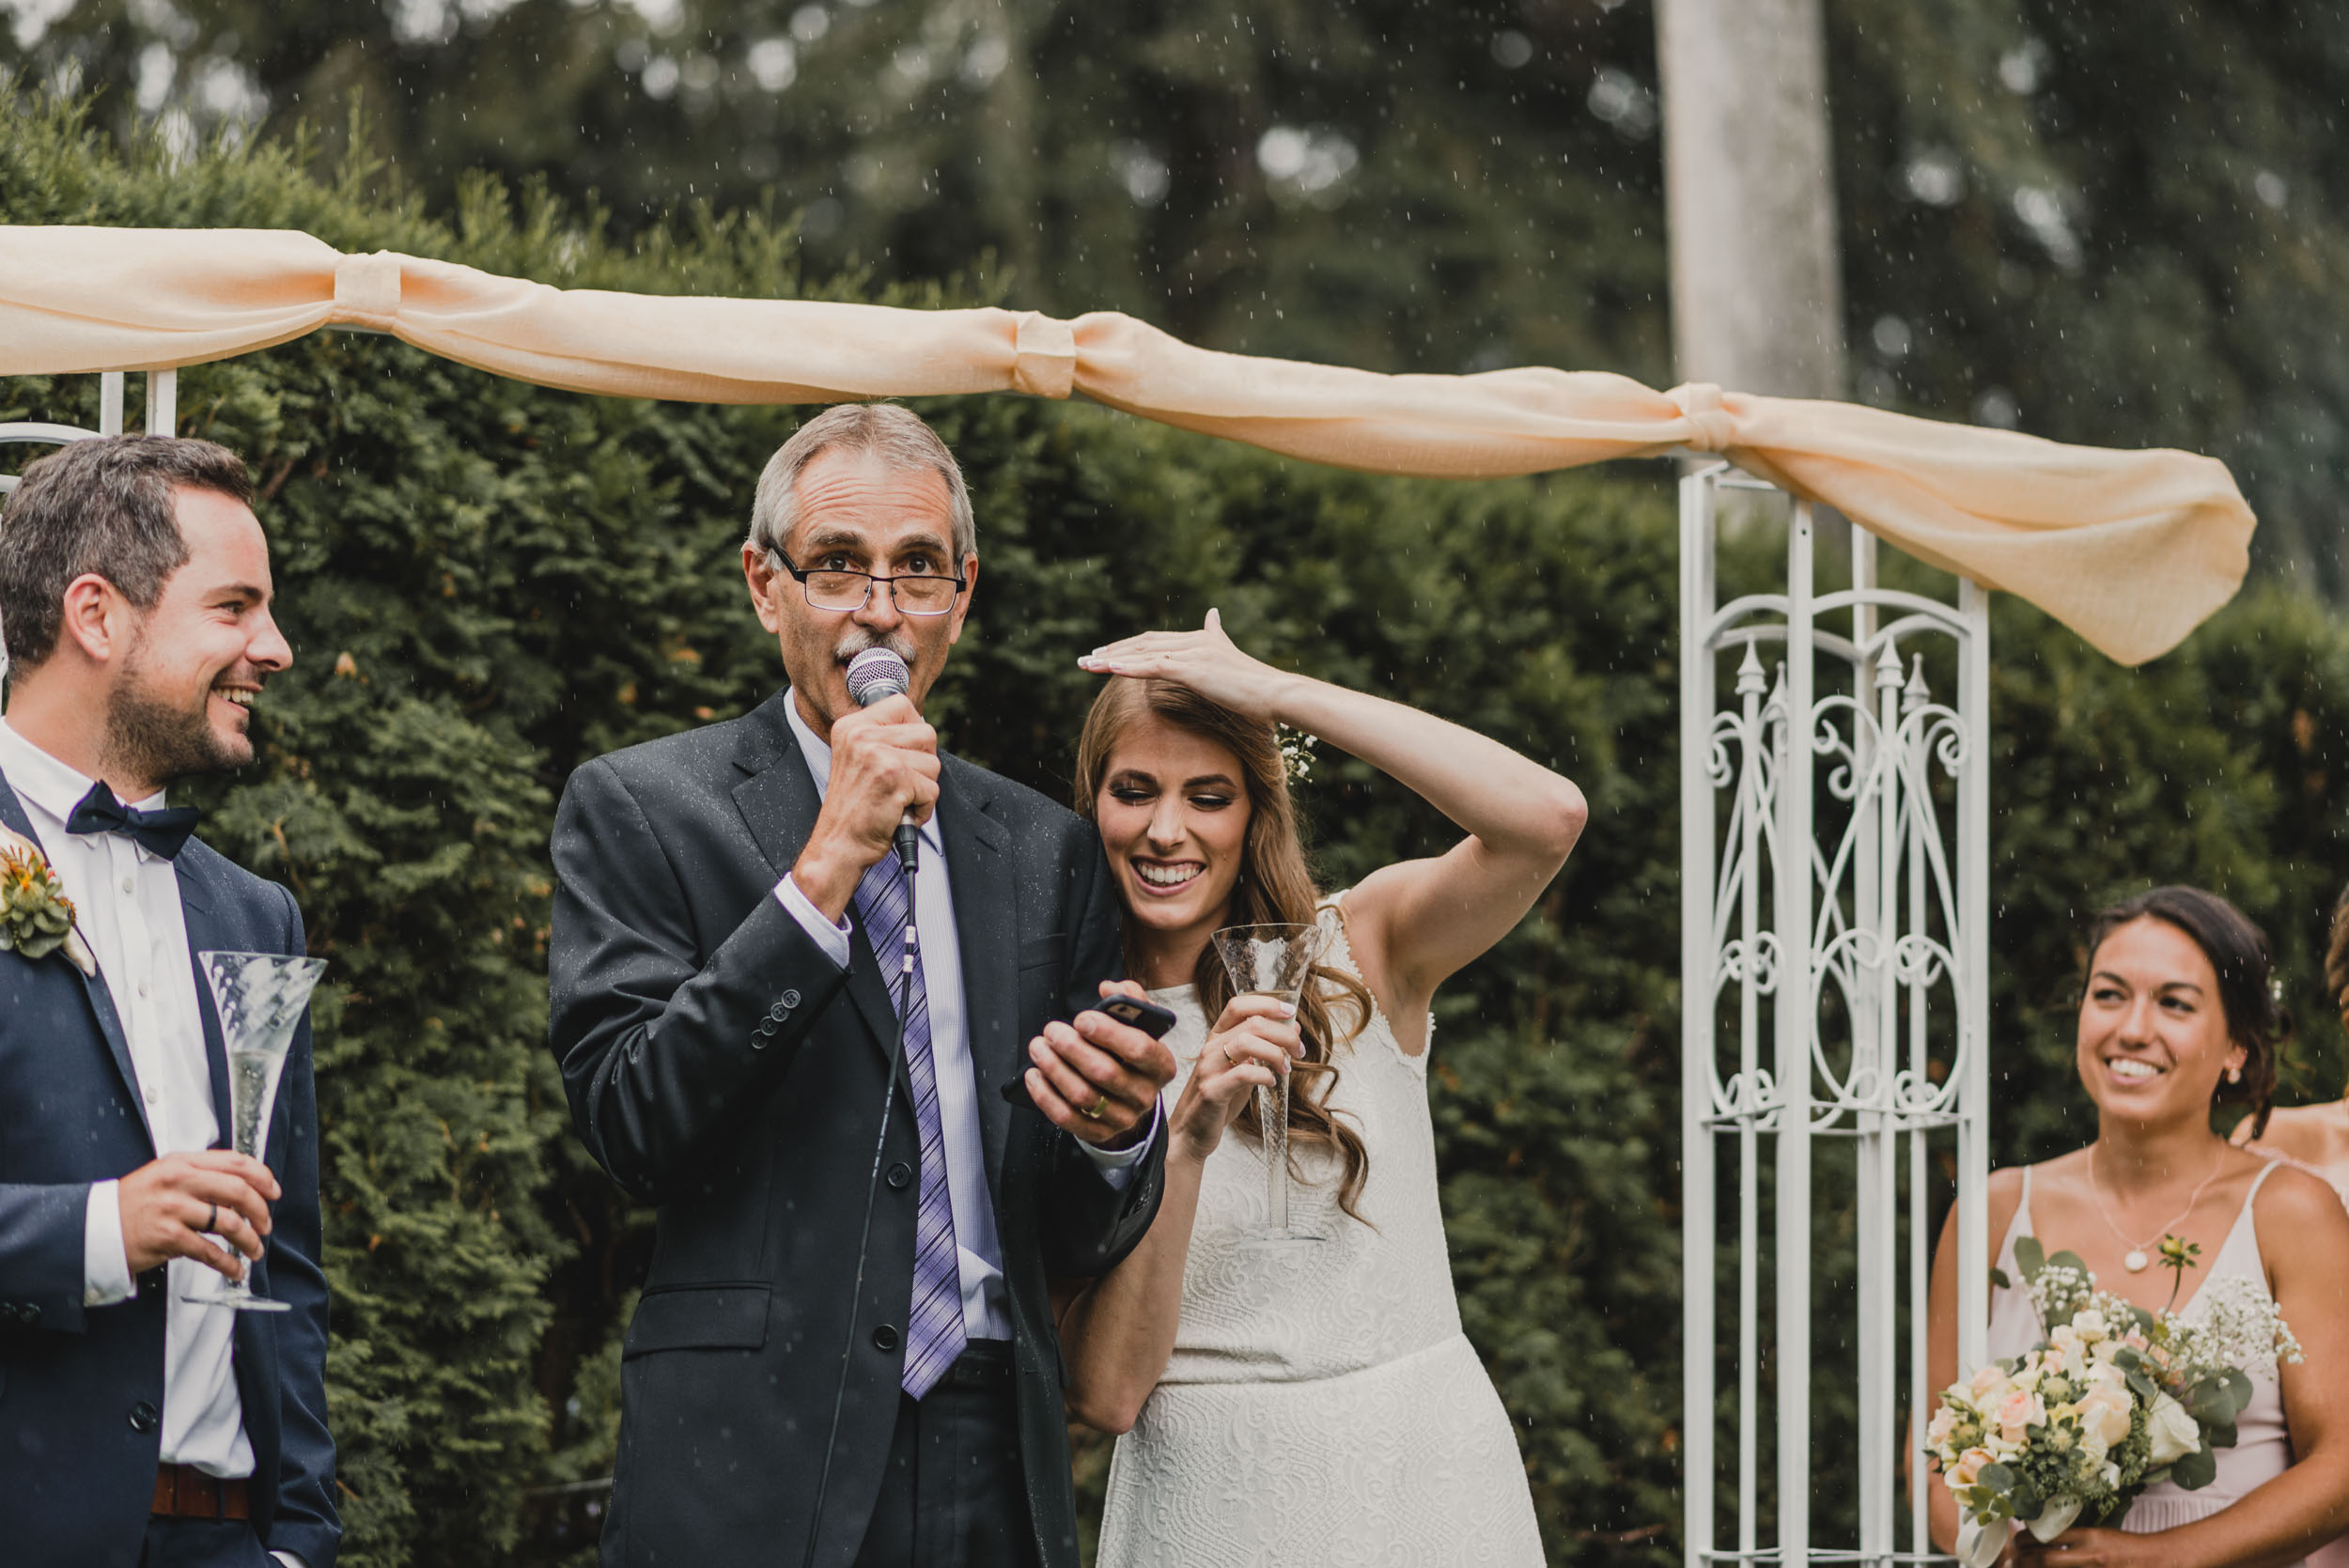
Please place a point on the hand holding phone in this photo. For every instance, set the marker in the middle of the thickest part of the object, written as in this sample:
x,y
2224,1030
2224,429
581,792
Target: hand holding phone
x,y
1134,1012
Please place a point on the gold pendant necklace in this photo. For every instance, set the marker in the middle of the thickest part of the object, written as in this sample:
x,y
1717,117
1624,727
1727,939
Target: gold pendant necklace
x,y
2136,1260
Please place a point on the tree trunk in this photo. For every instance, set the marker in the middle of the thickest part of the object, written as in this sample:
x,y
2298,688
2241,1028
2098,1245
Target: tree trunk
x,y
1757,300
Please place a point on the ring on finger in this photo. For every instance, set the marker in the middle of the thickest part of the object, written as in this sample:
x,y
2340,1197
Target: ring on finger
x,y
211,1217
1092,1113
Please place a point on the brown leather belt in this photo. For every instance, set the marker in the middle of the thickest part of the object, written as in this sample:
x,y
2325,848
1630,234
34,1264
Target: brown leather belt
x,y
184,1492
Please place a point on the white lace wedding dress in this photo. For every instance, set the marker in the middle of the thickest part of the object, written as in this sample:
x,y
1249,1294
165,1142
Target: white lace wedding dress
x,y
1321,1406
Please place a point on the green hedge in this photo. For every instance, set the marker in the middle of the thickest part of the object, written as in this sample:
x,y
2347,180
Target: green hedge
x,y
487,583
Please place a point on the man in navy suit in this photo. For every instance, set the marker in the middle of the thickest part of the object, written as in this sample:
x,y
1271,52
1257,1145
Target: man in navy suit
x,y
138,1427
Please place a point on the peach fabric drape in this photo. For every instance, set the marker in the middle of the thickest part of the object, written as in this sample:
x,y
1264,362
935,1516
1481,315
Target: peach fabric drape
x,y
2131,550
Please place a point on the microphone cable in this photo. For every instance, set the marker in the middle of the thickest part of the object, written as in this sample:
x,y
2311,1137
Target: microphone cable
x,y
864,1236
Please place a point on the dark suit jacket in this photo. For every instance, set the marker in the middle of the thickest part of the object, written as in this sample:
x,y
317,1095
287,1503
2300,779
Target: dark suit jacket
x,y
719,1065
81,1388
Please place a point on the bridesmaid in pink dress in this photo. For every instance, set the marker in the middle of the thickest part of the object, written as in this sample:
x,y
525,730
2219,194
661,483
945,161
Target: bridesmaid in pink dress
x,y
2175,1015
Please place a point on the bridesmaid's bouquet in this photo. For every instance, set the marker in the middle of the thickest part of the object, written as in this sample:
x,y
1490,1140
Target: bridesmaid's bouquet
x,y
2115,1399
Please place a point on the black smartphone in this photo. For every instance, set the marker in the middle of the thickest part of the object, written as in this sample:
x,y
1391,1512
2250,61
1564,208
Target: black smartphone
x,y
1136,1012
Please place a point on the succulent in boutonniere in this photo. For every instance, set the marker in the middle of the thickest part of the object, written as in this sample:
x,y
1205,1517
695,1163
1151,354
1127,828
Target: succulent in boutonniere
x,y
36,917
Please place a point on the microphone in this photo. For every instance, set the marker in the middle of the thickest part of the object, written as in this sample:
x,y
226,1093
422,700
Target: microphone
x,y
875,675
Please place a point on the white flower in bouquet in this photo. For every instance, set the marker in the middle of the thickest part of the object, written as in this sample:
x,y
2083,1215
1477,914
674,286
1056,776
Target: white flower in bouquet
x,y
2170,1432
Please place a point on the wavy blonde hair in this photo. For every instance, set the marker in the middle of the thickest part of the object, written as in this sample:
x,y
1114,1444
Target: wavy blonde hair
x,y
1275,887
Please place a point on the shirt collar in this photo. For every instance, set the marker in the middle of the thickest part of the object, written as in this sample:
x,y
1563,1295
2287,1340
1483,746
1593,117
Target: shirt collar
x,y
818,755
54,786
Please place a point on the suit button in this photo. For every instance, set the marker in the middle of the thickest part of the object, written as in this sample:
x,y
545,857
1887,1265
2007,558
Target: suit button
x,y
900,1174
789,1000
142,1416
29,1314
885,1338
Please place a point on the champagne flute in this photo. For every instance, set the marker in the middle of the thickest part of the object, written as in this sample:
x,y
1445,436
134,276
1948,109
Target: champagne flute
x,y
1272,961
260,998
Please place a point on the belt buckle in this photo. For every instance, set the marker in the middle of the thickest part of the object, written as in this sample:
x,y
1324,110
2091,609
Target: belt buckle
x,y
977,1371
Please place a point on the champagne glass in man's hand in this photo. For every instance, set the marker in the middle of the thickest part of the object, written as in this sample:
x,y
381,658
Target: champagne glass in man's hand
x,y
260,998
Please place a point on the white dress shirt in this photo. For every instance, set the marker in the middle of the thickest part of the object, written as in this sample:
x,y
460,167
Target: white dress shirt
x,y
126,901
979,1253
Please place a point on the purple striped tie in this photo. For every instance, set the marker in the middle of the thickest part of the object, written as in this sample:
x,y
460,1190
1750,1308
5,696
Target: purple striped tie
x,y
934,1332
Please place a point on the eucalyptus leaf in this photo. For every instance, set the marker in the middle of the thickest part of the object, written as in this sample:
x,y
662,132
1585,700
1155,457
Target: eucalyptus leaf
x,y
2211,1402
2030,1256
2238,1387
2069,1260
2196,1470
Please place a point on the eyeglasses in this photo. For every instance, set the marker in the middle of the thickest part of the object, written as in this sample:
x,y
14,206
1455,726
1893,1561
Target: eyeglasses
x,y
916,594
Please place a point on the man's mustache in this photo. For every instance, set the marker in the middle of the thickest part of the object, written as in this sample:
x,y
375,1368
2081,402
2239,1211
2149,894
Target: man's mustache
x,y
856,639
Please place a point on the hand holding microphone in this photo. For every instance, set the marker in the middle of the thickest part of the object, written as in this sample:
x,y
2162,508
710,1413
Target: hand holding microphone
x,y
883,786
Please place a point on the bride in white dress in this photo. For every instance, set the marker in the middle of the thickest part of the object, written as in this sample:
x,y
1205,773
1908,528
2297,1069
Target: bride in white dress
x,y
1315,1405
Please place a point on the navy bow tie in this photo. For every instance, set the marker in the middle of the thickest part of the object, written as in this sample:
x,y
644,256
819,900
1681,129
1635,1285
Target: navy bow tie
x,y
158,833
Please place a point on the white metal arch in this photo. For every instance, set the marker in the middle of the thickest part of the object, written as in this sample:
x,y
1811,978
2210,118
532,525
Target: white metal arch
x,y
1834,984
162,413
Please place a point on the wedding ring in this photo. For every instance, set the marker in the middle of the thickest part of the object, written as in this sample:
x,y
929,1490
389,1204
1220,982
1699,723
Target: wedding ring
x,y
1092,1113
211,1217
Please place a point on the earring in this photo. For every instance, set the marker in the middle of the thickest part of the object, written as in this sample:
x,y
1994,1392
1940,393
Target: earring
x,y
2234,1074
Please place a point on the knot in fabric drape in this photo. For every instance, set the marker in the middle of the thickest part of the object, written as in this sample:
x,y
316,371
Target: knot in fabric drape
x,y
367,290
1712,427
1044,356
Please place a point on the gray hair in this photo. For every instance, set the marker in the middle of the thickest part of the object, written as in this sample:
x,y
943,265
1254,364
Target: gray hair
x,y
103,506
895,435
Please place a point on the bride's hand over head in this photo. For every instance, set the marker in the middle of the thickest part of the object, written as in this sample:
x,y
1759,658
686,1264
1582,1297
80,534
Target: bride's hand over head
x,y
1207,660
1252,1043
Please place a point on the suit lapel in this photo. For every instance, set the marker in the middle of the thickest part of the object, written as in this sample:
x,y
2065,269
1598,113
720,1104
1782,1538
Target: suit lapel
x,y
100,1000
207,933
779,805
986,927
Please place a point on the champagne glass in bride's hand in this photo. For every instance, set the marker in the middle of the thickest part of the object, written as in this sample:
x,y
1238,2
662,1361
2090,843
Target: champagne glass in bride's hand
x,y
260,998
1272,961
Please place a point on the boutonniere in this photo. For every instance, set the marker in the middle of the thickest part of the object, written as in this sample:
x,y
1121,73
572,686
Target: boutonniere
x,y
36,917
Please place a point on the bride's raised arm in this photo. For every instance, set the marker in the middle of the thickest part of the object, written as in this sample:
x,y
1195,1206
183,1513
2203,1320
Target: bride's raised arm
x,y
1413,923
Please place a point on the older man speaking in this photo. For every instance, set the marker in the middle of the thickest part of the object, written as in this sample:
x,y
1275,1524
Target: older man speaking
x,y
732,1000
